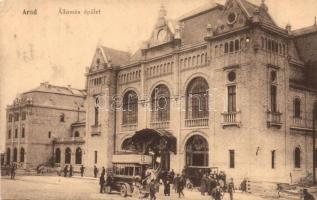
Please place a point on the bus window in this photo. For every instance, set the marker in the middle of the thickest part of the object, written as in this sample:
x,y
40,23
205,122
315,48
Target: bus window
x,y
138,171
130,171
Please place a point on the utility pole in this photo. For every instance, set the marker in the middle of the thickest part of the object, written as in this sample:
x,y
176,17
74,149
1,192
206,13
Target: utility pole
x,y
314,142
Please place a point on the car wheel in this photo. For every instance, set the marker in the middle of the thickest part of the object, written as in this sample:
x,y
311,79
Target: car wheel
x,y
123,191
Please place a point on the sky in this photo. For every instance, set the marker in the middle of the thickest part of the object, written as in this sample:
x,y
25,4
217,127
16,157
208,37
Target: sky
x,y
58,48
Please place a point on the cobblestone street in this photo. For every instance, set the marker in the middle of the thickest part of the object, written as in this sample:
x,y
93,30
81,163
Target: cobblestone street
x,y
52,187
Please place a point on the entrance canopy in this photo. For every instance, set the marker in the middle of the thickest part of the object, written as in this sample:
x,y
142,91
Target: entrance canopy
x,y
162,139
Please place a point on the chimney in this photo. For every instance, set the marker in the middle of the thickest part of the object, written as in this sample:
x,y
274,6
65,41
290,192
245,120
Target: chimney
x,y
288,28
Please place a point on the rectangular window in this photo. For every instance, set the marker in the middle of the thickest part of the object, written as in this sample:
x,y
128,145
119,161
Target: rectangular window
x,y
231,155
236,45
16,116
273,159
16,133
226,47
96,116
49,134
231,46
9,134
232,98
273,98
10,117
23,115
96,157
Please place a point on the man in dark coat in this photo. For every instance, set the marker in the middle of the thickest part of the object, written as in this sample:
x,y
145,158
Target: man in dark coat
x,y
231,189
307,195
152,190
65,170
82,169
172,175
102,183
180,186
103,171
175,182
203,185
217,193
167,187
70,171
95,171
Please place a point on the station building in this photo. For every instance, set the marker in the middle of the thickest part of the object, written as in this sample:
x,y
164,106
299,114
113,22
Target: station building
x,y
222,86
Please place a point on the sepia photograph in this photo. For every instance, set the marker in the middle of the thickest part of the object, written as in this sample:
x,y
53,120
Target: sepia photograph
x,y
158,99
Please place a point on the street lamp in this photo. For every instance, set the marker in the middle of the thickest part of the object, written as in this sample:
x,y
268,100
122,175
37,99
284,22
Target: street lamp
x,y
314,142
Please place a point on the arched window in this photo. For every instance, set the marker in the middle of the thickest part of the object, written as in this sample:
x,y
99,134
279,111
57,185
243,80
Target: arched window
x,y
197,99
160,104
297,108
226,47
76,134
78,156
297,160
130,108
15,155
57,155
202,57
8,155
23,132
197,151
68,155
22,154
16,133
127,144
62,117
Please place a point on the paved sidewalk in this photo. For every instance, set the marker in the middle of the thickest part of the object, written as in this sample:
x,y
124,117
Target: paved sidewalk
x,y
81,188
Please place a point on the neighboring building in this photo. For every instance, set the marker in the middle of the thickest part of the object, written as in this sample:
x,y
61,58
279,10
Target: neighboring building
x,y
42,119
222,86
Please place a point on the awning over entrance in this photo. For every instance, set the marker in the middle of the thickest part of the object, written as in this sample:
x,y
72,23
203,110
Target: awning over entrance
x,y
163,138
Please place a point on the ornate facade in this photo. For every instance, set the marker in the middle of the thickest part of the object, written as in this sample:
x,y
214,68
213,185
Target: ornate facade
x,y
224,81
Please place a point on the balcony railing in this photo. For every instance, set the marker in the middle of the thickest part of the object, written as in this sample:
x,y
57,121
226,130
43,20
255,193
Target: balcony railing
x,y
196,122
95,130
231,119
69,140
233,58
128,127
160,124
301,123
274,119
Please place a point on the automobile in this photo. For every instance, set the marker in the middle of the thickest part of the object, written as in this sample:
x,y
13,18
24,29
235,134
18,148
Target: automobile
x,y
131,174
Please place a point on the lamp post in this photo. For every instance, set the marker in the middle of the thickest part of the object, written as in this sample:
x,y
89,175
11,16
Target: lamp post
x,y
314,142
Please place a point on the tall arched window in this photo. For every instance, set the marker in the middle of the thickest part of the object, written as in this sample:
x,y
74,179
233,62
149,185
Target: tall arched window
x,y
297,160
160,104
197,151
15,155
297,108
130,108
23,132
78,156
57,155
197,99
22,154
8,155
68,155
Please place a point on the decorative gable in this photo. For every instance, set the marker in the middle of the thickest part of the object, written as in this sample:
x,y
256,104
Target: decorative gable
x,y
99,60
163,31
234,16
